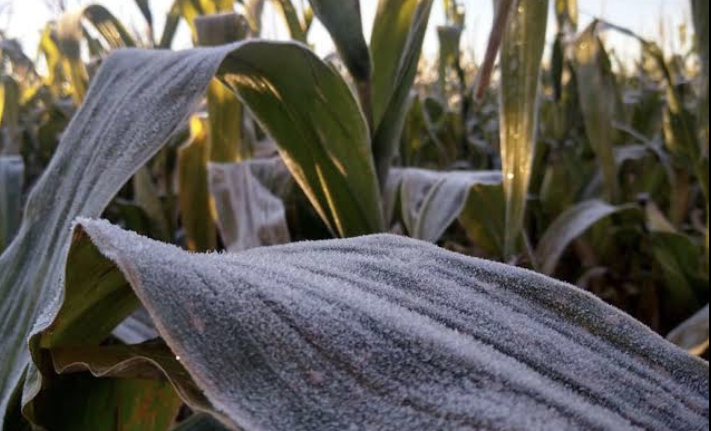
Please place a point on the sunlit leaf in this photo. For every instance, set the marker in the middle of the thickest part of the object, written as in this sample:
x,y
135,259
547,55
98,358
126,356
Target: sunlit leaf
x,y
569,226
521,53
567,14
396,43
196,212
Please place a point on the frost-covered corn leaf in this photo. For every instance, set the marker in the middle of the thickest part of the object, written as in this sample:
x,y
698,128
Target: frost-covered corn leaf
x,y
521,53
396,43
693,334
137,101
386,332
250,213
431,201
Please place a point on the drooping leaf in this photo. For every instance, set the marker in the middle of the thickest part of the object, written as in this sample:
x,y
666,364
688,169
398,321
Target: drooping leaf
x,y
398,33
137,101
521,53
597,101
196,211
248,212
569,226
327,334
693,334
431,201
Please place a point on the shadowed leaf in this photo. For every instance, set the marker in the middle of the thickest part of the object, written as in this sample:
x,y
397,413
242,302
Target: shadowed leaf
x,y
396,43
693,334
569,226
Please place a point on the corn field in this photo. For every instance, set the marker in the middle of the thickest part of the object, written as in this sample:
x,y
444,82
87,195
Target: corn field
x,y
246,236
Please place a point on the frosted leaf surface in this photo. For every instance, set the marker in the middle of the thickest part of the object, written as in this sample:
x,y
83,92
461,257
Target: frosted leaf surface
x,y
137,100
389,333
248,213
431,200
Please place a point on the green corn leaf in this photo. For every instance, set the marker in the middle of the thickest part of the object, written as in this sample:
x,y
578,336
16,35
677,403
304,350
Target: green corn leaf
x,y
568,227
196,212
342,19
520,59
319,129
597,101
396,43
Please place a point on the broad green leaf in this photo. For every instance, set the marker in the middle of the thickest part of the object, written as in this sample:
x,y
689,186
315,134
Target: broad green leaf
x,y
569,226
484,218
693,334
146,197
521,53
327,334
431,201
398,33
319,128
196,211
597,101
137,101
342,19
249,214
12,182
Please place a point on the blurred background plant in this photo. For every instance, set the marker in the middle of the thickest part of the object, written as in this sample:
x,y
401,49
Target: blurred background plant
x,y
568,158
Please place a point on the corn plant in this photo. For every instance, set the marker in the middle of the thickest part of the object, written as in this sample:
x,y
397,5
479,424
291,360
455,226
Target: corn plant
x,y
244,144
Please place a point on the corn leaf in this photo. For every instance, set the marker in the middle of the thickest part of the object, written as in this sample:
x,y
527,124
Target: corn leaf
x,y
431,201
327,334
124,124
567,13
521,53
569,226
396,43
693,334
597,100
250,213
319,129
700,10
342,19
